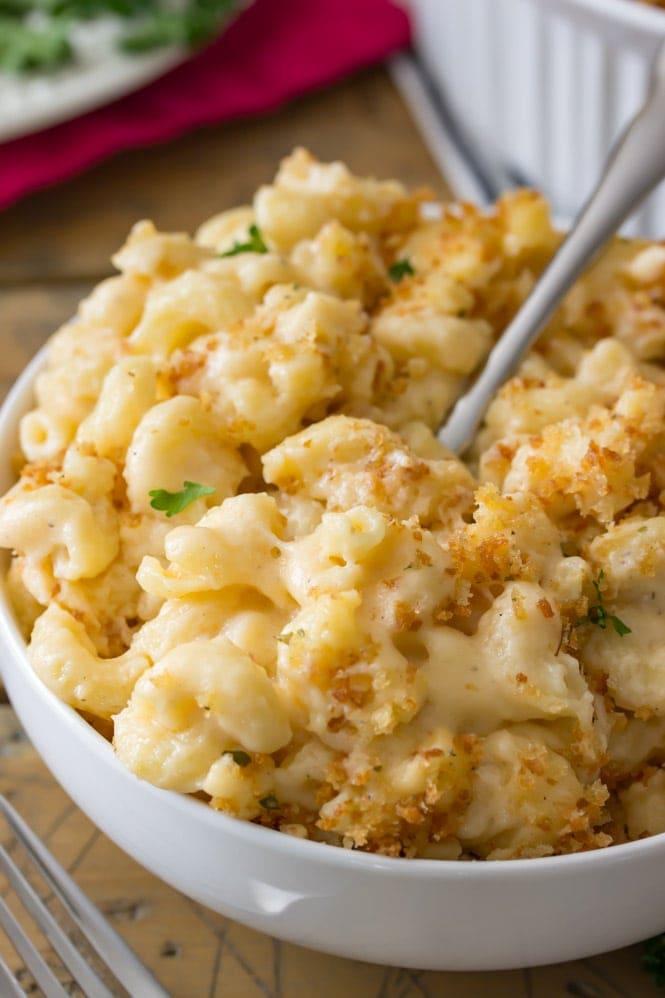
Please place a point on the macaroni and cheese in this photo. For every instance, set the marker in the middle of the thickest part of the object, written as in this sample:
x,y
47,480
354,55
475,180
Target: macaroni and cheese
x,y
239,550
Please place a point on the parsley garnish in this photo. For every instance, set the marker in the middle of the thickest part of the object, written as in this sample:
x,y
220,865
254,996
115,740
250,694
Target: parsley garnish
x,y
193,25
653,959
254,244
174,502
400,269
24,49
239,757
598,613
270,802
35,35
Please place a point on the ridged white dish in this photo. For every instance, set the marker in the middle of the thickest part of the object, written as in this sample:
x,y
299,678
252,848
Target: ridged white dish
x,y
439,915
545,85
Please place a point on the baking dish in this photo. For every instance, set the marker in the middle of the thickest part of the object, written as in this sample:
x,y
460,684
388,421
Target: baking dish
x,y
545,85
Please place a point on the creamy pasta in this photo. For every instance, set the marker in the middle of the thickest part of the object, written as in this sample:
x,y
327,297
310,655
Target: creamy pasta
x,y
239,549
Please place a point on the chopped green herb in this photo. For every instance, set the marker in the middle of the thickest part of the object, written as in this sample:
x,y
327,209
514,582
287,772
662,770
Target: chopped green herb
x,y
619,626
254,244
174,502
300,632
239,757
35,35
26,49
400,269
642,530
193,25
14,8
653,959
598,613
84,10
270,802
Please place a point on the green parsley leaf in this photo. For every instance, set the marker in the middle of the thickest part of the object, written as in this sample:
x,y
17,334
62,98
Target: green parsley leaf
x,y
254,244
86,10
195,23
598,613
14,8
270,802
653,959
619,626
27,50
174,502
239,757
164,27
35,35
400,269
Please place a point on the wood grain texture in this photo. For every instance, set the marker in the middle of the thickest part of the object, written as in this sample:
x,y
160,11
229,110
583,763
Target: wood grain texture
x,y
53,247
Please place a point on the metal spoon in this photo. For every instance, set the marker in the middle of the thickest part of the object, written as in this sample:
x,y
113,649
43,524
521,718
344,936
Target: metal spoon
x,y
634,167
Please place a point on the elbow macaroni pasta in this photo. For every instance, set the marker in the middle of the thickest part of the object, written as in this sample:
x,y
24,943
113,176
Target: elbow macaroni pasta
x,y
350,635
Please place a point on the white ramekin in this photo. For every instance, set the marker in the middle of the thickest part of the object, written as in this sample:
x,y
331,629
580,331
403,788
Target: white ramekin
x,y
429,914
545,85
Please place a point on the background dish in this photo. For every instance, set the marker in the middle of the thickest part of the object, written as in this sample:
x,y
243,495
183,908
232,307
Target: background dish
x,y
575,72
434,914
101,74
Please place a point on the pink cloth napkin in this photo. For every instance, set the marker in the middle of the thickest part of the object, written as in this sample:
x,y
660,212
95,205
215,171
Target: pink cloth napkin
x,y
276,50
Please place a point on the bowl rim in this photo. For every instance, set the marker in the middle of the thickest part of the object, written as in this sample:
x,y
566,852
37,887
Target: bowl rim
x,y
631,13
19,398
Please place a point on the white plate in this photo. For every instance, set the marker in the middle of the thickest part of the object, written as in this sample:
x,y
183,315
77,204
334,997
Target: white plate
x,y
100,74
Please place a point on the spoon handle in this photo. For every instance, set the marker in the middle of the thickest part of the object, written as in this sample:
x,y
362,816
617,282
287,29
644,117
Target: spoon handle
x,y
634,167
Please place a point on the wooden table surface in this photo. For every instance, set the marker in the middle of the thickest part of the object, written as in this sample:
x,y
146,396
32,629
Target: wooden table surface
x,y
53,247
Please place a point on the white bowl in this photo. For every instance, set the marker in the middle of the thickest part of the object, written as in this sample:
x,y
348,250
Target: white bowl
x,y
438,915
545,85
